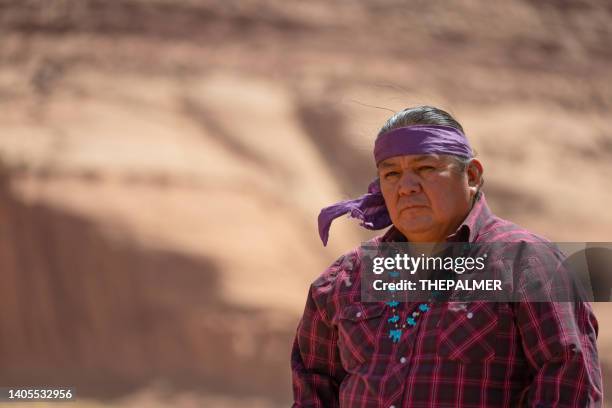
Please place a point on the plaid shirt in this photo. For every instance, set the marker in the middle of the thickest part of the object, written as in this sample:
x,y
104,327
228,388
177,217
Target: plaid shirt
x,y
479,354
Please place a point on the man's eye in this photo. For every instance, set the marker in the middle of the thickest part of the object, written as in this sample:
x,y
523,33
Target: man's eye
x,y
391,174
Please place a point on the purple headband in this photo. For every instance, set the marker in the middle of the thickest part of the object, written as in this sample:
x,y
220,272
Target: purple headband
x,y
370,208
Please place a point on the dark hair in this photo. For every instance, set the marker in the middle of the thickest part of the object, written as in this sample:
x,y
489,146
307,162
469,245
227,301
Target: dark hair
x,y
420,115
424,115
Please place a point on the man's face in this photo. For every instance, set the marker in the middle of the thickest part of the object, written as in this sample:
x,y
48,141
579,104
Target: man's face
x,y
427,196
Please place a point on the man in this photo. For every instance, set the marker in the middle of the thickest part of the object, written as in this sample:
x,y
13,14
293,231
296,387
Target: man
x,y
478,354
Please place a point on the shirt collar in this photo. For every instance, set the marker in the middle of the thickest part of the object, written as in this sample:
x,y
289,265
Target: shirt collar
x,y
467,231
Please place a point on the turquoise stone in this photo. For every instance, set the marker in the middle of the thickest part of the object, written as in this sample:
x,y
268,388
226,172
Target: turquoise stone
x,y
395,334
423,307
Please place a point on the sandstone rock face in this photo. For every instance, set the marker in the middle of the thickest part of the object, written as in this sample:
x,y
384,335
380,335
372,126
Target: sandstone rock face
x,y
162,165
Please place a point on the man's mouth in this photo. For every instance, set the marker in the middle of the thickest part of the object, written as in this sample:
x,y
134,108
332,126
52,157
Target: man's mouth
x,y
413,207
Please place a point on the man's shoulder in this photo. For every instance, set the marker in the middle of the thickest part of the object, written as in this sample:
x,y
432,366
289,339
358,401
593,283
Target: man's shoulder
x,y
338,285
501,230
343,275
345,266
514,244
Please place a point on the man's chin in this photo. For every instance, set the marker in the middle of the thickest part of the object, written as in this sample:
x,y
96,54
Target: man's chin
x,y
414,227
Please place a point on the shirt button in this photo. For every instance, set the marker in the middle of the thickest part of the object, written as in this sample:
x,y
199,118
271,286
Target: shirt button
x,y
470,315
403,360
358,314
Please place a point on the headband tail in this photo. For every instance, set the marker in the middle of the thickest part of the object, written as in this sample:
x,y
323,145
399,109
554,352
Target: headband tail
x,y
370,208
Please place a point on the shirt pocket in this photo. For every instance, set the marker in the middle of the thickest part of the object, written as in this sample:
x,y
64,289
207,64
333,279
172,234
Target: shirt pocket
x,y
467,331
358,328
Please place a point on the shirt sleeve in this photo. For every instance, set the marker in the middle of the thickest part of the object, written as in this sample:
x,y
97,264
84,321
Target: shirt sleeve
x,y
315,362
559,341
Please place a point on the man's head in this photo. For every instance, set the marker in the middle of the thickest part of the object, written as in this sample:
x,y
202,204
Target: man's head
x,y
427,195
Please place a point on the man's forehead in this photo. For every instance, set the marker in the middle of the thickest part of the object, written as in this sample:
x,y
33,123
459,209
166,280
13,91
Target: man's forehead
x,y
412,158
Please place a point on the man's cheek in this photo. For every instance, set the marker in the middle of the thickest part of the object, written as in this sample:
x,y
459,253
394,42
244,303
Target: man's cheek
x,y
390,200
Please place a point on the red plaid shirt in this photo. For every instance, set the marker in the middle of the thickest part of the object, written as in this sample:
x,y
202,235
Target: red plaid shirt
x,y
479,354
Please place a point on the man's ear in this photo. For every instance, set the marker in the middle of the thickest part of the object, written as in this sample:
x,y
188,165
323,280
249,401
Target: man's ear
x,y
474,173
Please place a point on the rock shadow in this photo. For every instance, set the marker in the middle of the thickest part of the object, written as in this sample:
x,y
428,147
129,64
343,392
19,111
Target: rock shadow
x,y
83,307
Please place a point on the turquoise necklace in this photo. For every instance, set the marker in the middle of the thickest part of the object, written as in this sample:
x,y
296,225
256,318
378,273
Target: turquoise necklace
x,y
396,331
395,334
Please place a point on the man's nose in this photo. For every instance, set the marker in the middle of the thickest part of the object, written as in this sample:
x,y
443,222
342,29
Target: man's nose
x,y
409,183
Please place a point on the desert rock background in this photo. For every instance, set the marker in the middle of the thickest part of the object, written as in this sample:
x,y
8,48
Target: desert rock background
x,y
162,165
